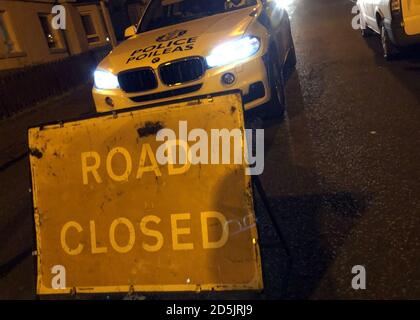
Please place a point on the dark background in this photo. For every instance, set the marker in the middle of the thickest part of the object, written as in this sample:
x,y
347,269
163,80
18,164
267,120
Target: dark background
x,y
341,170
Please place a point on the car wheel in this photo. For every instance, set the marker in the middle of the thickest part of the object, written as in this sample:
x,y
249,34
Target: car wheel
x,y
277,103
291,57
388,48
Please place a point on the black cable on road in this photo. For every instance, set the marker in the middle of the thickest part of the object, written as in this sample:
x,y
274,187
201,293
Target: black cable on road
x,y
282,243
12,263
276,226
11,162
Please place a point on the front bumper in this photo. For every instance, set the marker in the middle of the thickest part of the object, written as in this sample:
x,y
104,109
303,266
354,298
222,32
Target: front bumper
x,y
251,80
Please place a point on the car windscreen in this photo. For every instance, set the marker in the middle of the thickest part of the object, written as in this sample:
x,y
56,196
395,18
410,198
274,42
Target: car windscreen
x,y
162,13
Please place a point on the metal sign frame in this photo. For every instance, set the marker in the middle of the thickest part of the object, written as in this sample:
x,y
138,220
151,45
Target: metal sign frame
x,y
256,284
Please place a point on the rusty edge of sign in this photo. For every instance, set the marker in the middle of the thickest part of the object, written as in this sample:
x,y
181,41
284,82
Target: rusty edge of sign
x,y
256,284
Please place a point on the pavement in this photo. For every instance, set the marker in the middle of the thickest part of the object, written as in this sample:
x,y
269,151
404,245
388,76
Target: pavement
x,y
341,172
16,215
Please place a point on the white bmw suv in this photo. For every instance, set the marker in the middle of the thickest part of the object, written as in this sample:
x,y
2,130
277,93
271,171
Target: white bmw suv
x,y
184,48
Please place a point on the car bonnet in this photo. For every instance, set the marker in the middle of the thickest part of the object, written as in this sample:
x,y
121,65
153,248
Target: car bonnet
x,y
192,38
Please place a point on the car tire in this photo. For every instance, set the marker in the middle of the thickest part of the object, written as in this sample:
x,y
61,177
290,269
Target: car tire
x,y
388,48
291,55
276,105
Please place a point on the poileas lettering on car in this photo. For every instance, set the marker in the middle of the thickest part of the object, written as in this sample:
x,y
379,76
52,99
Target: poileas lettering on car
x,y
184,48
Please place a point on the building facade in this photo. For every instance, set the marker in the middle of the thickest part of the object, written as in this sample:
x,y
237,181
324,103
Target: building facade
x,y
28,38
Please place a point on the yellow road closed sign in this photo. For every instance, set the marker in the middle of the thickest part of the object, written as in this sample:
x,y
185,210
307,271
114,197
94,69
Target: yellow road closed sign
x,y
147,200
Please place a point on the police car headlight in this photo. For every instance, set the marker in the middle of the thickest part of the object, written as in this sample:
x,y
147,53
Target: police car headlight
x,y
233,51
105,80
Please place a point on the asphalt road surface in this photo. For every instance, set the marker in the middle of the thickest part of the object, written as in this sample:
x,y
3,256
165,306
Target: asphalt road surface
x,y
341,170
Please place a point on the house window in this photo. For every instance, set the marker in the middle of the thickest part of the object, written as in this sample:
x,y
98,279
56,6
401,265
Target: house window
x,y
52,36
91,34
8,44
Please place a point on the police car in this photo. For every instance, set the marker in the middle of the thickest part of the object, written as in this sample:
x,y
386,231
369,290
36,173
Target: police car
x,y
184,48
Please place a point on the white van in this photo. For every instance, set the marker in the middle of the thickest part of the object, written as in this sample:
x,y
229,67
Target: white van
x,y
397,21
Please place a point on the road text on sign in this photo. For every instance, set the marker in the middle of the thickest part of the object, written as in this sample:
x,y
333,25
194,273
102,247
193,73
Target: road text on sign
x,y
111,216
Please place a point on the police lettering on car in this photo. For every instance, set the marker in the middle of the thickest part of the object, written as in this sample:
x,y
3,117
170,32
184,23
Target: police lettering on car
x,y
200,47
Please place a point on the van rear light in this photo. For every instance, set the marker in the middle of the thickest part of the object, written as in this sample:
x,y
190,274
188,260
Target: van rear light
x,y
395,5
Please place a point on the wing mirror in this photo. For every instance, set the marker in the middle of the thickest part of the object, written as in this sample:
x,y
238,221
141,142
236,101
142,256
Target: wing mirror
x,y
130,31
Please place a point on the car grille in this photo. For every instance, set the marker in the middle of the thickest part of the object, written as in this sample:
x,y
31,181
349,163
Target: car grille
x,y
181,71
167,94
137,80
